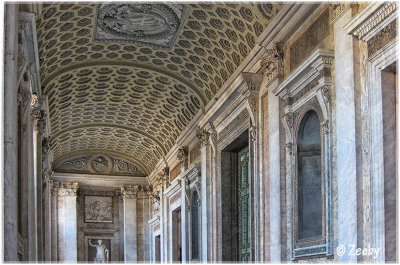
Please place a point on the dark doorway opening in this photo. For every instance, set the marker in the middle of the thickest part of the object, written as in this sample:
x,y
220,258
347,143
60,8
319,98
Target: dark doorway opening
x,y
235,194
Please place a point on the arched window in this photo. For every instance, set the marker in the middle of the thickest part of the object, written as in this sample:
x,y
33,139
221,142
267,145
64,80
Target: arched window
x,y
195,226
309,178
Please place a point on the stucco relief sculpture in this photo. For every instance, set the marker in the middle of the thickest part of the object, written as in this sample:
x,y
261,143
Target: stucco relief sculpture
x,y
98,209
156,24
100,164
102,252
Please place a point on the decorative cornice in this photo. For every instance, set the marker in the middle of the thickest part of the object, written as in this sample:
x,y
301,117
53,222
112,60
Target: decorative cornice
x,y
366,29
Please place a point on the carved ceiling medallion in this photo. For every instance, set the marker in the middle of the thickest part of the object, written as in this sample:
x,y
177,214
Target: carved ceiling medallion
x,y
152,24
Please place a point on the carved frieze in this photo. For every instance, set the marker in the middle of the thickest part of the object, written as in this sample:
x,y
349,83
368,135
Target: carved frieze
x,y
233,124
98,209
313,36
99,164
382,38
272,63
79,164
155,25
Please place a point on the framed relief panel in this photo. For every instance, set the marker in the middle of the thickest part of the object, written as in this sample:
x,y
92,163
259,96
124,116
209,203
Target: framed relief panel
x,y
98,209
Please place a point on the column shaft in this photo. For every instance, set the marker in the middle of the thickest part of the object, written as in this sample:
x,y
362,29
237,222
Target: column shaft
x,y
346,137
275,178
67,221
10,132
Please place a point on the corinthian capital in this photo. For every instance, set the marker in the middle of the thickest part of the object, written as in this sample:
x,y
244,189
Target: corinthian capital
x,y
203,136
129,191
182,155
68,188
272,62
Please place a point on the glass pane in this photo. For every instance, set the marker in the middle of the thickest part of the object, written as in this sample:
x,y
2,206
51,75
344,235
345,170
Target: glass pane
x,y
309,193
195,226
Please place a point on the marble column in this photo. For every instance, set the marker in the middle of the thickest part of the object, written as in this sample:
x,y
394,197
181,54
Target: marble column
x,y
129,193
121,224
346,136
185,212
10,132
32,186
47,220
164,221
67,222
54,221
147,228
182,156
206,210
274,178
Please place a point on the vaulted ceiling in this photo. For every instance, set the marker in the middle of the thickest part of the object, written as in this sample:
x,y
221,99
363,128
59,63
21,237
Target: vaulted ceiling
x,y
124,80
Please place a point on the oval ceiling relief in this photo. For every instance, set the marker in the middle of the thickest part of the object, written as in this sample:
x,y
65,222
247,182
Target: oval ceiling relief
x,y
126,79
152,24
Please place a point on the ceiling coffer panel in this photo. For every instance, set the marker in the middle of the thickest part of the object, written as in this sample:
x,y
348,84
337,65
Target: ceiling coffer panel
x,y
102,72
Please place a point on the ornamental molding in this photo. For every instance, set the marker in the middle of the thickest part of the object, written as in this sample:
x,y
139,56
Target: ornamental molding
x,y
155,25
100,164
314,72
372,19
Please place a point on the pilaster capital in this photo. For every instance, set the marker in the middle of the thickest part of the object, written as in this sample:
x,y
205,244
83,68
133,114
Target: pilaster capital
x,y
271,63
68,188
203,136
147,191
182,155
129,191
250,89
54,186
165,176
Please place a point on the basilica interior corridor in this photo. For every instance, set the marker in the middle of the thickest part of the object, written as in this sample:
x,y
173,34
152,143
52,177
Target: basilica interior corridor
x,y
196,132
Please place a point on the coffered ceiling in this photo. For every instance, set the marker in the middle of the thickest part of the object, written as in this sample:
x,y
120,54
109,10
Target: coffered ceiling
x,y
124,80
